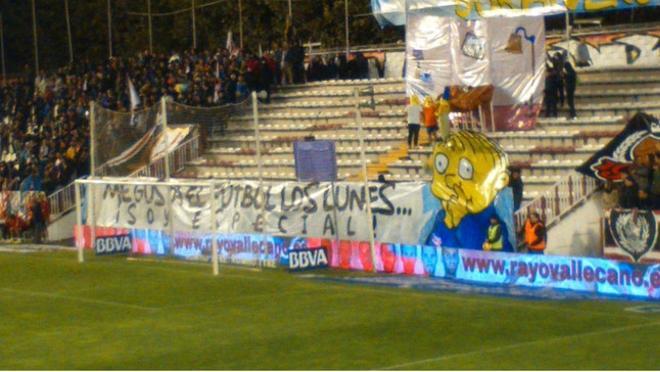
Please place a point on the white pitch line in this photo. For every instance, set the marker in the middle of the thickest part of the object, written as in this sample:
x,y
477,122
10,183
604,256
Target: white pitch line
x,y
520,344
481,299
220,300
78,299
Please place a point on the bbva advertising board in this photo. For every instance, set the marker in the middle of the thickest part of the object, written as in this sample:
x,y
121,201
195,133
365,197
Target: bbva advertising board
x,y
307,259
113,245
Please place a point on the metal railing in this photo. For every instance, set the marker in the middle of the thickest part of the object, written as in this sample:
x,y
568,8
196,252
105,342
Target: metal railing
x,y
559,199
64,199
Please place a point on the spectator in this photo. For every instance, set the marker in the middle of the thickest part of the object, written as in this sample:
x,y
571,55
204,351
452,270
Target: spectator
x,y
629,198
558,65
36,219
266,78
287,64
551,92
298,62
242,89
494,237
231,89
316,70
517,186
534,234
610,196
430,120
414,113
571,84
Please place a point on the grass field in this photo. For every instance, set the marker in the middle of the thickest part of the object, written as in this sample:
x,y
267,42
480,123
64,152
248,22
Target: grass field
x,y
119,314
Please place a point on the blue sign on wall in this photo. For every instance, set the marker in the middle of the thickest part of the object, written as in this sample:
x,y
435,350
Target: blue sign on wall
x,y
316,161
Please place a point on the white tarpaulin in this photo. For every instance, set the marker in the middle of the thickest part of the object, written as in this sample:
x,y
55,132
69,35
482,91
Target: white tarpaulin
x,y
169,140
507,53
284,209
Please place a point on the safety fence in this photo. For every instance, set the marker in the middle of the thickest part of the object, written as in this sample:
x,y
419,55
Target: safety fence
x,y
303,226
559,199
124,143
64,199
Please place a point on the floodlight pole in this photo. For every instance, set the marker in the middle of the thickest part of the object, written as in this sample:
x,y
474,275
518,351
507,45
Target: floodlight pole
x,y
194,26
370,224
240,23
34,36
348,42
68,30
2,51
151,44
79,224
109,29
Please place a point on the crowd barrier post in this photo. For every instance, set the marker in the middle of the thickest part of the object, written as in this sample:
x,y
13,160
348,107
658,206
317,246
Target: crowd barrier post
x,y
92,214
81,230
358,118
92,139
163,107
214,230
257,139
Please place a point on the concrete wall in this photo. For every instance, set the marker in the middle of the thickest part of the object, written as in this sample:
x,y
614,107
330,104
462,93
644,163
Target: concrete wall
x,y
62,228
619,49
579,233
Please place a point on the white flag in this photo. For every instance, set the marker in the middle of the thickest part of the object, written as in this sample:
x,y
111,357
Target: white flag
x,y
135,98
230,42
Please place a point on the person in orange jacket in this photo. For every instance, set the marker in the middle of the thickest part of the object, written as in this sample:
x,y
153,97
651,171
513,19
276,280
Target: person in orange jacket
x,y
430,119
534,234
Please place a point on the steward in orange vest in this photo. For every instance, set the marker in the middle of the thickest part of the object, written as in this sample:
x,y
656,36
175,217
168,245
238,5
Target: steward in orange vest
x,y
534,234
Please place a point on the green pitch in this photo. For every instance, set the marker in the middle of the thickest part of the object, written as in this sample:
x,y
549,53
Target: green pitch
x,y
119,314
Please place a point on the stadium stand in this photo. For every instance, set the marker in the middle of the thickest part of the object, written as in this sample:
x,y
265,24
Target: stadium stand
x,y
604,99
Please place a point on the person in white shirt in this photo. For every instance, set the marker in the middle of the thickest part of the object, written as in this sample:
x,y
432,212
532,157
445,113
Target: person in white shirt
x,y
414,116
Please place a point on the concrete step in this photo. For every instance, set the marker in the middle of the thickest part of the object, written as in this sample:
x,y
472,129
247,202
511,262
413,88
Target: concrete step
x,y
582,123
554,138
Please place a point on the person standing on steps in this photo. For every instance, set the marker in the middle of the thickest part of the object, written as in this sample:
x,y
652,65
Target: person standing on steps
x,y
430,119
517,186
414,116
550,98
534,234
570,84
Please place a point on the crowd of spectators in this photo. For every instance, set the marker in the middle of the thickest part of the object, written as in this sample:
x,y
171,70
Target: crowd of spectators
x,y
44,117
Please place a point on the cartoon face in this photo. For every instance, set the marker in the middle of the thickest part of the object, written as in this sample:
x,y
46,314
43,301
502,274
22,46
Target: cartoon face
x,y
428,101
429,259
450,259
468,171
388,257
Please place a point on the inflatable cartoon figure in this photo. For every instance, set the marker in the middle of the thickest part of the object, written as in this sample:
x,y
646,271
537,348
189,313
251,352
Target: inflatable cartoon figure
x,y
468,172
